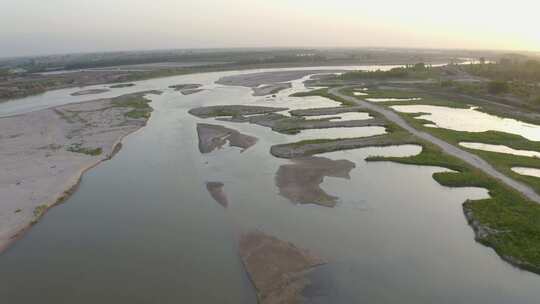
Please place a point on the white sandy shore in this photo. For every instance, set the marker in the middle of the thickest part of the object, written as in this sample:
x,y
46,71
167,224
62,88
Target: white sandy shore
x,y
38,171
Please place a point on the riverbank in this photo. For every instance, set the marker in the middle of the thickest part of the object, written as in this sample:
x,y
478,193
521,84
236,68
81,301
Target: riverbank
x,y
44,154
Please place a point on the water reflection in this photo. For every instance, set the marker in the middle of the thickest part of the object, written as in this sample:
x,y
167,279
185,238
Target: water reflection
x,y
527,171
471,120
332,133
499,149
341,116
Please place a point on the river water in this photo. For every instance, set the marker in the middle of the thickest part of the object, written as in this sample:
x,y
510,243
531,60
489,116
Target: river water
x,y
142,227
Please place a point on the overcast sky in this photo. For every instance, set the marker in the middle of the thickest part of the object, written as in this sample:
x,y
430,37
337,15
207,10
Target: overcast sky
x,y
61,26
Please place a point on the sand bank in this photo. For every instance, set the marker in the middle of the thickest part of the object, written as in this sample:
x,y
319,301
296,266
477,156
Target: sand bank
x,y
43,154
278,269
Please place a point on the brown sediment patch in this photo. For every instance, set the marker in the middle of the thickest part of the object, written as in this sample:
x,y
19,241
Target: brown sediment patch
x,y
217,192
300,181
89,92
232,110
40,172
212,137
278,269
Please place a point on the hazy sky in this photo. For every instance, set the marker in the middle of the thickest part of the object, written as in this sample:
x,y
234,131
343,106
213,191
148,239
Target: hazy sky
x,y
62,26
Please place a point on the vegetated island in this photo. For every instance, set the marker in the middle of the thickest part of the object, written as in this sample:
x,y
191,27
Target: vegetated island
x,y
89,92
122,85
267,117
43,154
187,89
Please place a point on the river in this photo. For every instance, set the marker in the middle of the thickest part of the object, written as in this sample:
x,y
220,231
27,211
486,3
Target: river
x,y
142,227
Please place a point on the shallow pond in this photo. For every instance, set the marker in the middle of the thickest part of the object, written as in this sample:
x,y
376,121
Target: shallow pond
x,y
143,228
341,116
499,149
392,99
338,133
471,120
527,171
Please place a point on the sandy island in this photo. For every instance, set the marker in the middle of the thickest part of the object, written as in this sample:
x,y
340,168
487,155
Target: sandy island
x,y
300,181
277,269
43,154
212,137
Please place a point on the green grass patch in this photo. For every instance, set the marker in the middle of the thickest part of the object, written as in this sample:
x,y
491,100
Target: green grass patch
x,y
38,213
78,148
131,102
136,114
139,105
